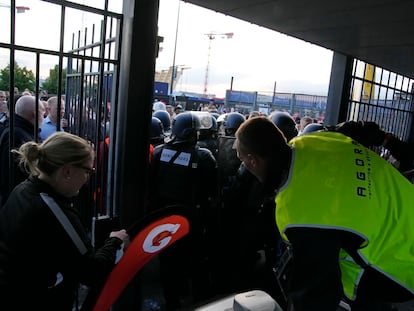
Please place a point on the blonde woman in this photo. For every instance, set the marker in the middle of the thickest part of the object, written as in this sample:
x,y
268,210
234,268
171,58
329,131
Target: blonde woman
x,y
45,252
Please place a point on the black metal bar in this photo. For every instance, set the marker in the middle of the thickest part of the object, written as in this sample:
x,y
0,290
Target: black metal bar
x,y
85,8
37,125
60,69
54,53
135,108
114,125
11,89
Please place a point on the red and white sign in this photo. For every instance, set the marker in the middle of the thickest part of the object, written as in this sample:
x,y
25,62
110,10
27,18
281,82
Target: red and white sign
x,y
148,242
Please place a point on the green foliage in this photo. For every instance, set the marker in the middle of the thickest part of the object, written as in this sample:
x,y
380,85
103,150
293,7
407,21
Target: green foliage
x,y
23,78
51,83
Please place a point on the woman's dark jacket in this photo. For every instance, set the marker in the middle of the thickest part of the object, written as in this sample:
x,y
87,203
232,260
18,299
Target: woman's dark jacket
x,y
35,249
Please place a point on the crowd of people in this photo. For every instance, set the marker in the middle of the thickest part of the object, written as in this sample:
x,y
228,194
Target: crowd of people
x,y
269,208
328,219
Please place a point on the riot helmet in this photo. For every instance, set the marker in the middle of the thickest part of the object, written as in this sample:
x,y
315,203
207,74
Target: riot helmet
x,y
313,127
208,123
185,127
211,132
285,123
156,131
164,116
220,123
232,123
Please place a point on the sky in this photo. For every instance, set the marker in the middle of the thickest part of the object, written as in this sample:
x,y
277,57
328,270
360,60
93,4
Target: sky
x,y
36,29
255,59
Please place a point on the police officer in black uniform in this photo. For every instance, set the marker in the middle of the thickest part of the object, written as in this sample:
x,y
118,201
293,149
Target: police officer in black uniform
x,y
185,174
157,135
209,134
164,116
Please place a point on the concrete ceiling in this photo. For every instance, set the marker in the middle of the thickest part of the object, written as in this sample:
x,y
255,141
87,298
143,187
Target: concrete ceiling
x,y
379,32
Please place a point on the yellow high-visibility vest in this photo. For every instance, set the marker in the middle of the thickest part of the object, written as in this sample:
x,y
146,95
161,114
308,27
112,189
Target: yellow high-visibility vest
x,y
336,183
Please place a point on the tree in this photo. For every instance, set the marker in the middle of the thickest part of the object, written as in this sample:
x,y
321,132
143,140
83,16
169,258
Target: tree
x,y
23,78
51,83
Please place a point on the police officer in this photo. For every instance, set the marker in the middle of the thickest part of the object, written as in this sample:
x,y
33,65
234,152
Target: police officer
x,y
208,133
185,174
227,160
232,123
313,127
156,132
164,116
285,123
350,226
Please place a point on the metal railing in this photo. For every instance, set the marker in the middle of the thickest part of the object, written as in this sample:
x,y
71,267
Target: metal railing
x,y
381,96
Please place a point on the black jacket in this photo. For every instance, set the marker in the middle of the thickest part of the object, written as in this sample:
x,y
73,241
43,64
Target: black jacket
x,y
35,248
23,132
189,183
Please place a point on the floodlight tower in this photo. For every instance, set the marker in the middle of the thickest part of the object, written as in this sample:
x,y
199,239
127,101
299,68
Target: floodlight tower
x,y
211,36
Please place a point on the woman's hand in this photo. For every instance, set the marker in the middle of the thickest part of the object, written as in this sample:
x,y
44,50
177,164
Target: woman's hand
x,y
121,234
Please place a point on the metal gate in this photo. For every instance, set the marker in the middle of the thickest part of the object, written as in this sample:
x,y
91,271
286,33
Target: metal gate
x,y
85,66
381,96
91,98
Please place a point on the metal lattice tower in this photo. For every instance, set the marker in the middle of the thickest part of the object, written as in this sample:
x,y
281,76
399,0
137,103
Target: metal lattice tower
x,y
211,36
